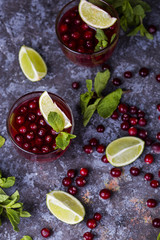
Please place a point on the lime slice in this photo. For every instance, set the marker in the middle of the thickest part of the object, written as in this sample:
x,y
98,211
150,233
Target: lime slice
x,y
124,151
95,16
32,64
47,105
65,207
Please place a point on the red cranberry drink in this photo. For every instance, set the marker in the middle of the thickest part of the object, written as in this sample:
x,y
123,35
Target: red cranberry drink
x,y
29,131
79,41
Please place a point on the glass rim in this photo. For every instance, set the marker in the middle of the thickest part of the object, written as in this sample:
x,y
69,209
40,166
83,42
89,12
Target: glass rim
x,y
94,53
9,115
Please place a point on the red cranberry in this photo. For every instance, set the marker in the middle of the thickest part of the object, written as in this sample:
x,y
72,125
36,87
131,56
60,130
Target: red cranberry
x,y
148,176
105,66
72,190
115,115
93,142
158,107
142,133
81,49
42,122
140,114
45,149
54,146
71,173
134,171
105,193
84,26
64,28
152,29
151,203
91,223
26,146
100,128
125,117
53,132
156,147
100,148
125,126
132,131
142,122
45,232
67,181
143,72
23,129
19,138
154,184
148,158
23,109
97,216
35,150
65,38
75,85
30,135
88,149
39,112
88,34
84,172
133,109
33,126
123,108
104,159
89,44
80,181
20,119
116,81
133,121
38,141
127,74
48,138
158,77
88,236
75,35
156,222
31,117
72,44
115,172
73,14
32,105
158,136
41,132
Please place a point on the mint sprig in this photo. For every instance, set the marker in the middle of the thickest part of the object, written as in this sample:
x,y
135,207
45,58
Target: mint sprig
x,y
102,40
6,182
26,238
91,101
158,238
2,141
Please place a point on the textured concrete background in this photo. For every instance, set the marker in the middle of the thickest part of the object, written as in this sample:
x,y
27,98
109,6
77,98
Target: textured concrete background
x,y
125,215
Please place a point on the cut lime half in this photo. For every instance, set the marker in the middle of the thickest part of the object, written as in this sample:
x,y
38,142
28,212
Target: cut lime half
x,y
124,151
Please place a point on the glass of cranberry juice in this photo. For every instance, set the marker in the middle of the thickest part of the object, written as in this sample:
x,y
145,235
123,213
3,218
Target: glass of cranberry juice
x,y
30,133
77,39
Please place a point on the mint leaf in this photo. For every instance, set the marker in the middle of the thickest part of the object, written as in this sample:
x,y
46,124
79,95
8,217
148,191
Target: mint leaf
x,y
123,23
63,139
109,103
26,238
14,198
158,238
84,100
101,81
3,196
2,141
12,221
14,214
89,111
1,210
7,182
89,85
102,40
113,37
25,214
139,11
56,121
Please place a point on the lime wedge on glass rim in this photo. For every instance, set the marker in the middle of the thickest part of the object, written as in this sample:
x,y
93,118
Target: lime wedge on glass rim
x,y
124,151
47,105
65,207
32,64
95,16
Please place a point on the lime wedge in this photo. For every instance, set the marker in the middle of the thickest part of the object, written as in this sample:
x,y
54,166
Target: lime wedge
x,y
47,105
32,64
124,151
95,16
65,207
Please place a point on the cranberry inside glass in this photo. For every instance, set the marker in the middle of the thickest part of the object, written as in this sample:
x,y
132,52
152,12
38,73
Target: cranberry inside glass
x,y
30,133
77,39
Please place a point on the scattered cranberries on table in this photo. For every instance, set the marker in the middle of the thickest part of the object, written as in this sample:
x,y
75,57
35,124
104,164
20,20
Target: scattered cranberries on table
x,y
45,232
105,193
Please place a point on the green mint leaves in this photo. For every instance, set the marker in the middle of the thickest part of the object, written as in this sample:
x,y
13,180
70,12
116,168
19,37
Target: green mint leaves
x,y
26,238
102,40
158,238
57,123
132,14
2,141
93,100
9,205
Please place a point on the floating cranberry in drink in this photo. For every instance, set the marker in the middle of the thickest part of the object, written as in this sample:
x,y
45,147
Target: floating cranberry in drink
x,y
29,131
77,39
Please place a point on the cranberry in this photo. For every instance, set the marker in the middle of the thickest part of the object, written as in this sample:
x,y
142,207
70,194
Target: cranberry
x,y
152,29
20,119
73,14
42,122
67,181
32,105
72,190
140,114
123,108
115,172
151,203
156,222
23,109
84,172
45,149
38,141
100,128
105,66
88,34
142,133
100,148
127,74
31,117
148,158
116,81
88,236
64,28
26,146
54,146
142,122
93,142
156,147
134,171
133,109
33,126
81,49
41,132
72,44
125,117
71,173
80,181
143,72
19,138
125,126
158,107
91,223
45,232
48,138
39,112
132,131
105,193
97,216
75,35
158,77
35,150
133,121
53,132
148,176
23,129
30,135
65,38
115,115
75,85
158,136
154,184
89,44
104,159
84,26
88,149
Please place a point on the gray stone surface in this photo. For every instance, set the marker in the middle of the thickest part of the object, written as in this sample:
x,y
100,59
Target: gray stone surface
x,y
125,215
